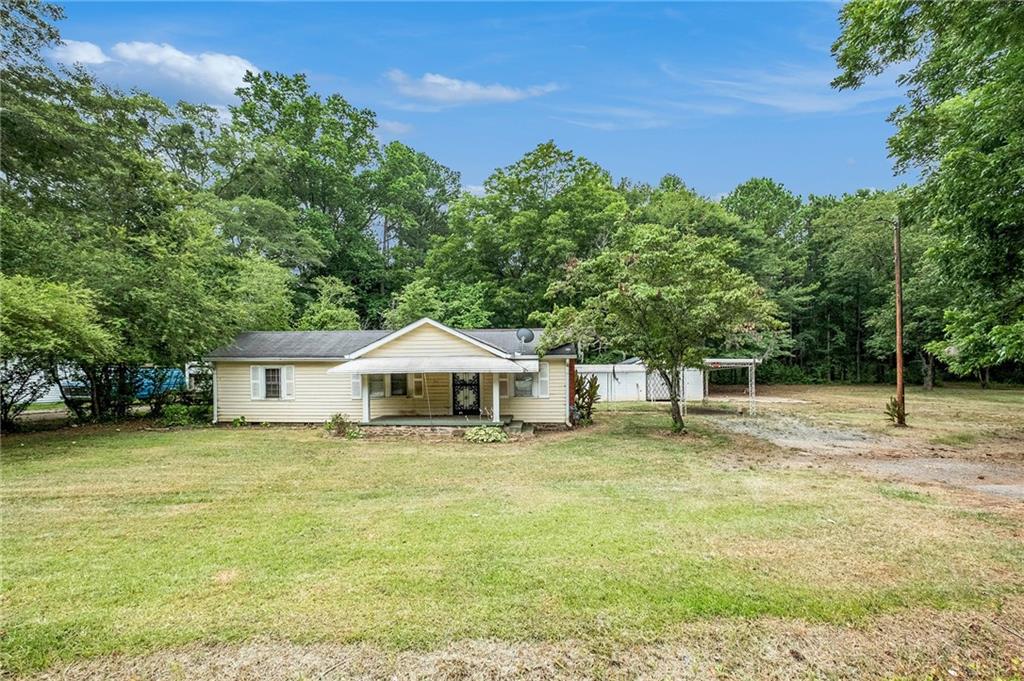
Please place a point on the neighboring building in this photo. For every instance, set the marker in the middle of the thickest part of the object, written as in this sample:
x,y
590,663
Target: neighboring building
x,y
630,381
423,374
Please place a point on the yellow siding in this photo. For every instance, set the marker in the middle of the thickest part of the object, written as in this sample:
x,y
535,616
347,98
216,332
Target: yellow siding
x,y
436,400
319,395
429,341
533,409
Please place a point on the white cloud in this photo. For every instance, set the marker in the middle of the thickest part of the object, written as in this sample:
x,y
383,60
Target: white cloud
x,y
213,71
787,88
80,52
434,87
612,118
394,127
474,189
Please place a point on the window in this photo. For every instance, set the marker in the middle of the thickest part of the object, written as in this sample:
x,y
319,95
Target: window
x,y
503,385
377,385
533,385
417,385
523,385
399,384
272,384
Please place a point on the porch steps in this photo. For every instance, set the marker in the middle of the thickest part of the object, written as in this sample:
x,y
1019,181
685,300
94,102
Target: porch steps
x,y
519,428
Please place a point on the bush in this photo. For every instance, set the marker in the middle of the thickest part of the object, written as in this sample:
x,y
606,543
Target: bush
x,y
585,398
238,421
340,425
486,434
186,415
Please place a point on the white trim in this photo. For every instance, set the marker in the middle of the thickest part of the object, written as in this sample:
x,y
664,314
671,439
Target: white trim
x,y
424,322
365,392
496,399
571,398
213,371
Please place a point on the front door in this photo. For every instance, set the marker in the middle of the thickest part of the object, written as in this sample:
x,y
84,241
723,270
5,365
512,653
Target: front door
x,y
466,394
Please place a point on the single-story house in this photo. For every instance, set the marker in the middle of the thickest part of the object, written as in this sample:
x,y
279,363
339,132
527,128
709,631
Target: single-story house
x,y
423,374
629,380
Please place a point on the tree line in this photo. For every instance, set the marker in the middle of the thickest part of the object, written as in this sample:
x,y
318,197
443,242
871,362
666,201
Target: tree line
x,y
136,233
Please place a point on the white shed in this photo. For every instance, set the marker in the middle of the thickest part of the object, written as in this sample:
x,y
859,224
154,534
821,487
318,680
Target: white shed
x,y
629,381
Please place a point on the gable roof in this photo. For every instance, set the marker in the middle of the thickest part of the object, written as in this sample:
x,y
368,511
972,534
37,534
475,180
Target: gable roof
x,y
326,345
426,321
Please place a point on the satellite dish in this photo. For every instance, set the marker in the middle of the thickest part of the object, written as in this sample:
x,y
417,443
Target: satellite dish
x,y
525,335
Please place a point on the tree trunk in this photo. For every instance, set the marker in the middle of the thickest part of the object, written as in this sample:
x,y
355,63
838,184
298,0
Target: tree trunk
x,y
672,380
983,376
928,364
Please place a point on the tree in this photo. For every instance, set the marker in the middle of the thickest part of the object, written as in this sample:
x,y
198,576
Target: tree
x,y
963,126
549,208
43,325
459,306
332,310
668,298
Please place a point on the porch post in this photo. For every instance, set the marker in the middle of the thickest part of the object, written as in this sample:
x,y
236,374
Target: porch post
x,y
496,396
365,390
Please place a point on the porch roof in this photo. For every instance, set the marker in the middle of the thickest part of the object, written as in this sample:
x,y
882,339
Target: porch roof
x,y
431,365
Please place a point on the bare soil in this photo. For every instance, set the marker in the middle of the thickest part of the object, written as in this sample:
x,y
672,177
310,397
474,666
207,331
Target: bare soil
x,y
917,644
994,465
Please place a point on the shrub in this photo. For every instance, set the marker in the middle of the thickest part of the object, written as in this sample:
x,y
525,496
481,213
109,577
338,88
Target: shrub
x,y
486,434
186,415
340,425
238,421
585,398
894,410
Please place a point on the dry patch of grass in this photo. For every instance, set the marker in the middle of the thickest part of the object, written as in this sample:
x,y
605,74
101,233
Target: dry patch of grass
x,y
913,644
611,541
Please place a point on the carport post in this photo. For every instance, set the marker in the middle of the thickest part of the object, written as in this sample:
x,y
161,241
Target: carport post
x,y
752,388
495,397
365,388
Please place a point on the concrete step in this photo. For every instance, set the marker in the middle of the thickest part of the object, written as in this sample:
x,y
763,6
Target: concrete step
x,y
514,428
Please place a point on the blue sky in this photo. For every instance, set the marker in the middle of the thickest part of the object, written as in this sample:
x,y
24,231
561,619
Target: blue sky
x,y
716,93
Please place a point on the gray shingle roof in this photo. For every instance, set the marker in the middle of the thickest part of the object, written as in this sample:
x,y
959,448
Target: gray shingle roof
x,y
337,344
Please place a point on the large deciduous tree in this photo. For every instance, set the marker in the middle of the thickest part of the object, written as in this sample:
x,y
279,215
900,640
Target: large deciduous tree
x,y
962,64
668,297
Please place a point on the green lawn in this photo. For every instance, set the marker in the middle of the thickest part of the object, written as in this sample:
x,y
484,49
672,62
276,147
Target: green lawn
x,y
138,540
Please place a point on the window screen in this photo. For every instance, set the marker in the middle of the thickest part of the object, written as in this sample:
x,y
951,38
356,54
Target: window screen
x,y
398,384
524,385
377,385
272,384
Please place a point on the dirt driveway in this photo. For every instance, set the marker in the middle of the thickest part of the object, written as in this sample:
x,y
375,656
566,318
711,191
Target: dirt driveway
x,y
995,468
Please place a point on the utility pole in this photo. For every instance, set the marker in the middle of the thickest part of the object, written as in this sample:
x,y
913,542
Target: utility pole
x,y
901,417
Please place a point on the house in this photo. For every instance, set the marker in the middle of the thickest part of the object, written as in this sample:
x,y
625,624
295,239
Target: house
x,y
629,380
423,374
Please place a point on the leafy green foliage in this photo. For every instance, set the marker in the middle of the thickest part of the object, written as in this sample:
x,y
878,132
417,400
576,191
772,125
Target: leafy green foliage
x,y
331,311
180,415
340,426
666,295
587,395
963,126
459,305
486,434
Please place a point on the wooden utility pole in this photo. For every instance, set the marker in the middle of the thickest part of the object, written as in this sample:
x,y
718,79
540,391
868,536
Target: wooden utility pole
x,y
901,417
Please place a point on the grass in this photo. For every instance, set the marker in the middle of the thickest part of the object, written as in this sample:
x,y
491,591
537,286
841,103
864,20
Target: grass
x,y
138,541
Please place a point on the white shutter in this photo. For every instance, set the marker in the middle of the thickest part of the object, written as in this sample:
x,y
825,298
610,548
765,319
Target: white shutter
x,y
543,380
256,383
288,387
357,386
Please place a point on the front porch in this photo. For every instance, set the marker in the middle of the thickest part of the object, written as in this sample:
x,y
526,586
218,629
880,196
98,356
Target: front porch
x,y
457,421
